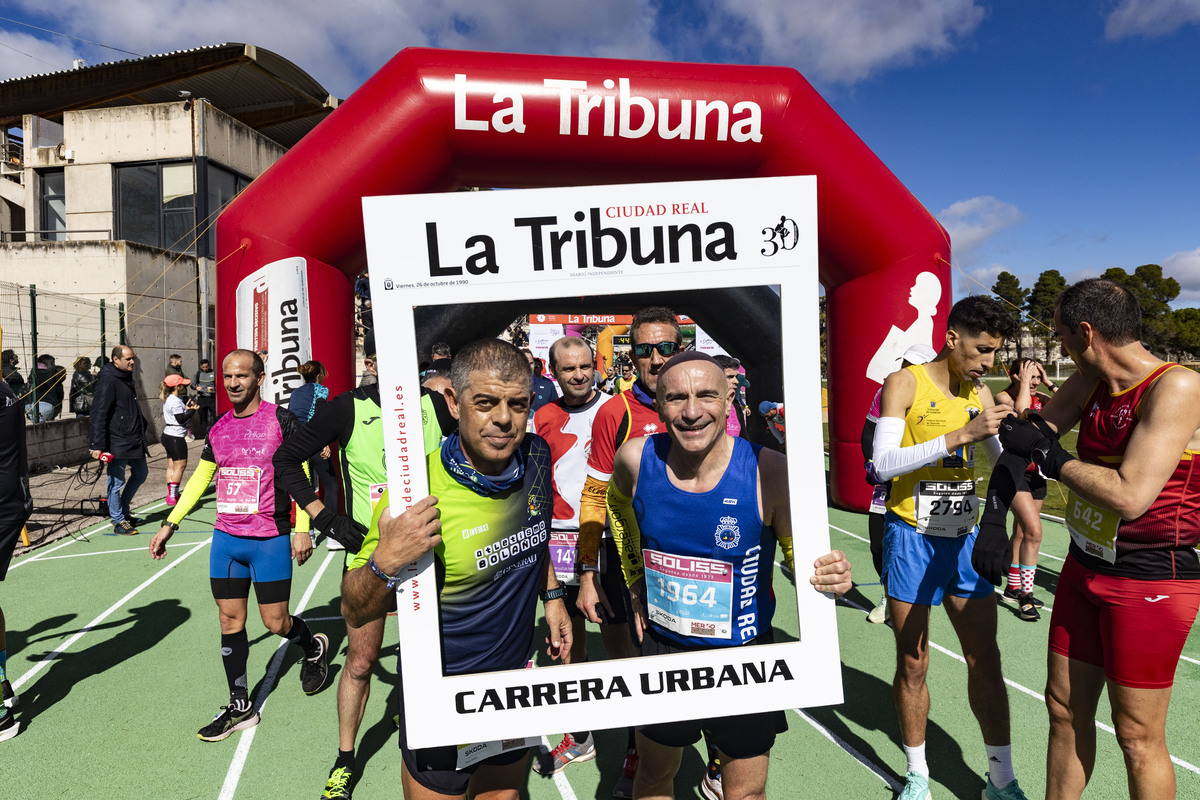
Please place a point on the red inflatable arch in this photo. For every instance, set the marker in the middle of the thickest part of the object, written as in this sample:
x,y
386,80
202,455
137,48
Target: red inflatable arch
x,y
434,120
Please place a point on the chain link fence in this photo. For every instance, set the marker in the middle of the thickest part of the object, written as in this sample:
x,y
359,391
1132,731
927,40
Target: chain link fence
x,y
66,327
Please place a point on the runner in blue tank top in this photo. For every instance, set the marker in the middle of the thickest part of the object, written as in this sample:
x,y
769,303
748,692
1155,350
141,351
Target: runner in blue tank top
x,y
696,515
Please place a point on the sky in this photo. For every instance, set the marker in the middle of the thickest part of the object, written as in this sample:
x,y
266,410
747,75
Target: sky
x,y
1054,134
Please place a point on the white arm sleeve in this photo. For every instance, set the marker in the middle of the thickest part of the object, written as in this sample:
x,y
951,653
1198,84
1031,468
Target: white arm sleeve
x,y
993,449
891,459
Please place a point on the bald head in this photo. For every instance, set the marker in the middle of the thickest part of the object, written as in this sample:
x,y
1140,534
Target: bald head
x,y
693,401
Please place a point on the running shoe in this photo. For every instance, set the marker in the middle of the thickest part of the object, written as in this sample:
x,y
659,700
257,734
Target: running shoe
x,y
710,787
880,614
1009,792
1014,594
229,721
314,671
1027,609
10,697
123,528
8,724
568,751
170,499
341,780
623,788
916,787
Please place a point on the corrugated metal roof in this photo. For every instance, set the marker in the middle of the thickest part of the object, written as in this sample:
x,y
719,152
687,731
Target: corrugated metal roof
x,y
255,86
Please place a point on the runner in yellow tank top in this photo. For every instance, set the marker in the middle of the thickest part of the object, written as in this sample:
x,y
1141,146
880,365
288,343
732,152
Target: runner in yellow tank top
x,y
932,416
939,497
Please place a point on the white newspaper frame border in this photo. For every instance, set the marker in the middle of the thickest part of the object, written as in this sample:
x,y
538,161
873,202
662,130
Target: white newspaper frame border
x,y
444,710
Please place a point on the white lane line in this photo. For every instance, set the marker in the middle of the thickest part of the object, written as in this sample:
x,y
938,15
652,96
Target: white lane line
x,y
870,765
62,648
122,550
1026,690
79,535
560,778
260,700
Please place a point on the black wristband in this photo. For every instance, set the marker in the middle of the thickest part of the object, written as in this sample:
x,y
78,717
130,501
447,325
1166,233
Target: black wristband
x,y
556,593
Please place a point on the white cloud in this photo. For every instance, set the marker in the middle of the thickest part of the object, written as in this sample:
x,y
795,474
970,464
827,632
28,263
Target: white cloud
x,y
1185,268
972,223
1150,18
979,280
848,40
343,44
22,54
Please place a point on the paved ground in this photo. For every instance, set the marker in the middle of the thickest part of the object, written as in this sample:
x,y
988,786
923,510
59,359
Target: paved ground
x,y
66,500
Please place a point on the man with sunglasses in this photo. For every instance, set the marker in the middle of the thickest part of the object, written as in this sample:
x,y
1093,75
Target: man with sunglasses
x,y
654,338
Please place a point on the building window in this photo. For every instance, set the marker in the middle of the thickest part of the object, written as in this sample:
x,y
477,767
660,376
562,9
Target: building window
x,y
54,205
222,187
155,205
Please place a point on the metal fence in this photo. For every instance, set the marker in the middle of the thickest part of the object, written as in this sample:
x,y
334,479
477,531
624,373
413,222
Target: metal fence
x,y
66,327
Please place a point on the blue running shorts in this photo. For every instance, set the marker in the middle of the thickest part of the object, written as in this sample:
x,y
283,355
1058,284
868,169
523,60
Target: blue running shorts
x,y
921,569
235,561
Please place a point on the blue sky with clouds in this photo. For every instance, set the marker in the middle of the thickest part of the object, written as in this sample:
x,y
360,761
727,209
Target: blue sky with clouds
x,y
1049,135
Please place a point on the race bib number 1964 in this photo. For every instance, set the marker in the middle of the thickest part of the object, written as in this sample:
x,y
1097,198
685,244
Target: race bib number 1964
x,y
690,596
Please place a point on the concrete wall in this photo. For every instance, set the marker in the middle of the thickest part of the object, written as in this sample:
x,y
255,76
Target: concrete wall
x,y
234,145
158,289
59,443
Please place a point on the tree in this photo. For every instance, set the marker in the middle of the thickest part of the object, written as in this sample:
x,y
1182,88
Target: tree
x,y
1154,294
1008,288
1186,337
1040,305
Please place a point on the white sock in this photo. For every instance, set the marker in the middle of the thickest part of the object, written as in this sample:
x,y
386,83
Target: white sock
x,y
916,759
1000,768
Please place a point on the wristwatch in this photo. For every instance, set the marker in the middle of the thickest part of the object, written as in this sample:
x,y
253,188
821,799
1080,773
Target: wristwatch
x,y
553,594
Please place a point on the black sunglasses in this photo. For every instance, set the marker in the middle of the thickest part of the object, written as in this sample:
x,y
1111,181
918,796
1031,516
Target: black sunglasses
x,y
665,349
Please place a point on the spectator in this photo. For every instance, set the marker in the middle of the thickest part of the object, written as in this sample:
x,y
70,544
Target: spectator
x,y
362,287
625,382
16,505
544,390
735,425
205,384
11,376
176,413
305,401
82,387
118,432
439,350
48,379
175,365
370,371
366,319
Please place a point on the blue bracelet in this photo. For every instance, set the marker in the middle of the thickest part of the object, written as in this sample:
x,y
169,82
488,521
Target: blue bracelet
x,y
391,581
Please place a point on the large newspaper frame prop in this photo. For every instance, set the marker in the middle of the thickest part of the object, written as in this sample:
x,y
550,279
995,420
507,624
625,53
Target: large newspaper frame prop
x,y
436,249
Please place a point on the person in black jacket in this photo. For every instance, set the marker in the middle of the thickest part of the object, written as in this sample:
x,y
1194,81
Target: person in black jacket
x,y
82,386
118,430
16,505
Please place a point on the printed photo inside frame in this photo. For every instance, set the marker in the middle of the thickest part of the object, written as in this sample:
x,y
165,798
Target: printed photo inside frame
x,y
446,260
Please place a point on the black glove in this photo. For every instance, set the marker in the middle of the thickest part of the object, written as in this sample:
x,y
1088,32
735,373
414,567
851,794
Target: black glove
x,y
1034,438
343,530
992,554
1021,437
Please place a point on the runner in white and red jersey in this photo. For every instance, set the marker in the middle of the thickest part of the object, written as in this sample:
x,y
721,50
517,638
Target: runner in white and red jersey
x,y
566,425
250,541
1130,588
